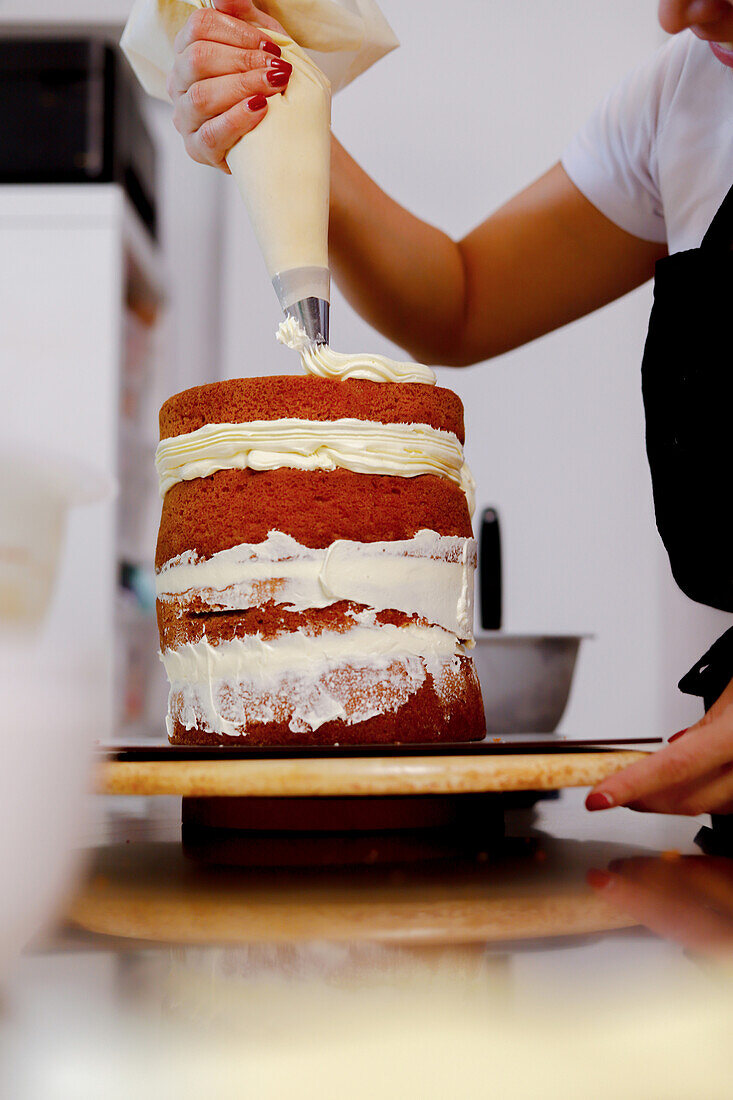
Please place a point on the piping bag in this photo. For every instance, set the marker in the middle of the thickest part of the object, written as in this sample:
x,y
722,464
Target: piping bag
x,y
282,167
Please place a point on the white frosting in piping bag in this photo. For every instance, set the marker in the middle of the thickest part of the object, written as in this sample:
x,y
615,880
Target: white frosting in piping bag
x,y
282,167
430,576
322,360
362,446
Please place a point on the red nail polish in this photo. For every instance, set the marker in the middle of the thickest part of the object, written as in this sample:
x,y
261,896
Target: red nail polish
x,y
277,78
597,879
679,734
599,800
271,47
257,103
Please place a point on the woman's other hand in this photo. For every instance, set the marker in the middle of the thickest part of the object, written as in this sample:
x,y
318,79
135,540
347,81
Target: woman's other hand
x,y
692,775
224,71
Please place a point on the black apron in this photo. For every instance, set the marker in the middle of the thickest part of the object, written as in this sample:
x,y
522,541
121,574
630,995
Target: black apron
x,y
687,385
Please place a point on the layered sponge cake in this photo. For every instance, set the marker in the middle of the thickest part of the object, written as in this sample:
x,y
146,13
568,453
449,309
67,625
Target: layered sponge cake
x,y
315,564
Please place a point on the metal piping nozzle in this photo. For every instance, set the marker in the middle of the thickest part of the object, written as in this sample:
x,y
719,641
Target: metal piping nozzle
x,y
314,315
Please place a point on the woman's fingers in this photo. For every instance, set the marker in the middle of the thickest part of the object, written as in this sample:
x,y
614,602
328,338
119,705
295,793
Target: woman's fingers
x,y
713,795
205,99
245,9
215,137
697,756
205,60
224,70
207,25
684,798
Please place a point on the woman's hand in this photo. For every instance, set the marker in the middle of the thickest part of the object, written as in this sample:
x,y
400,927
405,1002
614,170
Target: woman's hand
x,y
225,68
692,776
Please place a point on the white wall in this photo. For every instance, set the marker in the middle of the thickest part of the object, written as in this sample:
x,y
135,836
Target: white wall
x,y
191,203
466,112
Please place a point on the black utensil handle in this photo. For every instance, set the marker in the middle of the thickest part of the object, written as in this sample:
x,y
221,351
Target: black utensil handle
x,y
489,561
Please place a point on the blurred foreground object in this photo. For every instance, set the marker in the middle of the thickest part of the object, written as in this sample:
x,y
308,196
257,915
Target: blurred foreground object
x,y
49,720
34,502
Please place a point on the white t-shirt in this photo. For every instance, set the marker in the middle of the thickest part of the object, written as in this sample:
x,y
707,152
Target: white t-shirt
x,y
657,156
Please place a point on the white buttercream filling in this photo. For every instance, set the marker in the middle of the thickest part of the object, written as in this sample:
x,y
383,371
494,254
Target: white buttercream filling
x,y
308,680
362,446
429,575
323,361
289,218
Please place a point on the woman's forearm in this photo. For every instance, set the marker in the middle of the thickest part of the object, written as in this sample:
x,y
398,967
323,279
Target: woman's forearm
x,y
542,260
403,276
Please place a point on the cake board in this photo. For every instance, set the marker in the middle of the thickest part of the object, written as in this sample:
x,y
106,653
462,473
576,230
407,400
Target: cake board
x,y
457,791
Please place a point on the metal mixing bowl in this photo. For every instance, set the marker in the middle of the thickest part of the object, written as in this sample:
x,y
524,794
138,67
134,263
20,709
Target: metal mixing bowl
x,y
525,679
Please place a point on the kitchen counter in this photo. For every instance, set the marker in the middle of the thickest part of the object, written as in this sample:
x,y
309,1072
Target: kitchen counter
x,y
502,973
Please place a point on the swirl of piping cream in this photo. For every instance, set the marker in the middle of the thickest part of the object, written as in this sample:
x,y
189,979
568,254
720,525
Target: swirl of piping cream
x,y
323,361
362,446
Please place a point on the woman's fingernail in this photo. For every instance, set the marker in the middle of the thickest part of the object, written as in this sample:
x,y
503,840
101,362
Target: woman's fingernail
x,y
678,734
257,103
277,78
280,66
599,800
597,879
271,47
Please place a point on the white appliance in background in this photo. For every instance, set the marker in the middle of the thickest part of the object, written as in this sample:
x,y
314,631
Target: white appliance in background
x,y
81,292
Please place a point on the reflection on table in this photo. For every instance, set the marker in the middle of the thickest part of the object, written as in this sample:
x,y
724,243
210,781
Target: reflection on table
x,y
516,971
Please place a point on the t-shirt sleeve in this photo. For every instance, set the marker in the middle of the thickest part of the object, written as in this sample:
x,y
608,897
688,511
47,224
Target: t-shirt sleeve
x,y
612,160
